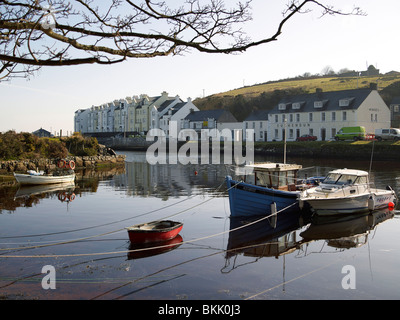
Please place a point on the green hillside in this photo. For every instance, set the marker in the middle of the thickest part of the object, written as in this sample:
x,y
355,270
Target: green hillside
x,y
242,101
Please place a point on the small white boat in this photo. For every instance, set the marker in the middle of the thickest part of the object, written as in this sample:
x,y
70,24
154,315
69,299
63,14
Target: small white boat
x,y
346,191
36,178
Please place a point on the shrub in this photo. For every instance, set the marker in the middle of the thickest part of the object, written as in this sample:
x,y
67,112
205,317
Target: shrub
x,y
15,146
81,146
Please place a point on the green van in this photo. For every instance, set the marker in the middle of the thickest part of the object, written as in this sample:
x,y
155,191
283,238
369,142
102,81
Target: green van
x,y
351,133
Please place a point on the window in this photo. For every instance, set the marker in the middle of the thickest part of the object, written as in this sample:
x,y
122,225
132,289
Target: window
x,y
323,116
297,105
344,115
333,116
311,132
276,118
310,117
260,124
291,117
276,133
318,104
291,133
282,106
298,117
345,102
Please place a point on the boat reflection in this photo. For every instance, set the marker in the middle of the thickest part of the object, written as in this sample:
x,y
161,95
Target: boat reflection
x,y
260,239
138,251
347,232
63,190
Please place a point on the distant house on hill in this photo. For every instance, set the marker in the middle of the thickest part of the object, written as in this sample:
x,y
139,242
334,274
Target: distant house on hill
x,y
323,114
41,133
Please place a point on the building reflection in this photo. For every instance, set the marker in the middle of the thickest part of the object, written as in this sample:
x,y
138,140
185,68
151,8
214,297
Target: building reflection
x,y
168,180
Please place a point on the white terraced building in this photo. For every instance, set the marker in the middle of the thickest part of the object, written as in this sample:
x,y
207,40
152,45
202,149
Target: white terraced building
x,y
133,114
323,114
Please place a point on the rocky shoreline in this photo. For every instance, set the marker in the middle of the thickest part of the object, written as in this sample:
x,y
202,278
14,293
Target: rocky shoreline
x,y
10,166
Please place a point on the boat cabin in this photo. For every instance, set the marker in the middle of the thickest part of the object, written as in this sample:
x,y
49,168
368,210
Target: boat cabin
x,y
346,177
275,175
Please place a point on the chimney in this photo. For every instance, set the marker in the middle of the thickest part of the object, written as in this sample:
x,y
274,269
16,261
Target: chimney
x,y
319,92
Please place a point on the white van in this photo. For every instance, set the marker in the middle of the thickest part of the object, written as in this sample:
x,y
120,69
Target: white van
x,y
387,134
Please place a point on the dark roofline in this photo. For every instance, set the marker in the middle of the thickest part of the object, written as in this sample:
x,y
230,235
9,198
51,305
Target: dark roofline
x,y
330,101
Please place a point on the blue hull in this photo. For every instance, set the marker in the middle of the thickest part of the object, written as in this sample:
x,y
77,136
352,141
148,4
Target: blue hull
x,y
248,200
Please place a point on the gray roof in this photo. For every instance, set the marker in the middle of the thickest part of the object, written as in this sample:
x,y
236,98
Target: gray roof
x,y
395,100
165,104
218,114
258,115
329,101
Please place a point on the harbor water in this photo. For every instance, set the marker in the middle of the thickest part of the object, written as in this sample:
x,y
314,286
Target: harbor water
x,y
71,242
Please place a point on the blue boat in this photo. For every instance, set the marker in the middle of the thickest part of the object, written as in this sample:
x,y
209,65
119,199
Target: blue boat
x,y
272,188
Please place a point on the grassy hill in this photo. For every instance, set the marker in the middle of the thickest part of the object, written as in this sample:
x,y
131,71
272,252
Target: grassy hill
x,y
242,101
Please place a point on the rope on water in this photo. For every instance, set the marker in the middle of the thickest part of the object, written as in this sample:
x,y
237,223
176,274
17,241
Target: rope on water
x,y
136,250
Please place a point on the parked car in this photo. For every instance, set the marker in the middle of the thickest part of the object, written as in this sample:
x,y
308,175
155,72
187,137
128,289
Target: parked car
x,y
351,133
387,134
306,137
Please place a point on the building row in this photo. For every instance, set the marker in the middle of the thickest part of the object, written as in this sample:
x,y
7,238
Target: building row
x,y
132,114
321,114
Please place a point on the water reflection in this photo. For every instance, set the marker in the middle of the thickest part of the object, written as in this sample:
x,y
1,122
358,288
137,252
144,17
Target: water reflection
x,y
14,196
259,238
138,251
168,180
350,231
107,267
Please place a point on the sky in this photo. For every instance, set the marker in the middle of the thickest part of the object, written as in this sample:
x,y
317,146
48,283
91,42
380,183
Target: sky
x,y
308,43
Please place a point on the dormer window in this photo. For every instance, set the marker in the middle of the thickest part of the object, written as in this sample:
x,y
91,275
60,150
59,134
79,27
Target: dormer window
x,y
318,104
297,105
282,106
345,102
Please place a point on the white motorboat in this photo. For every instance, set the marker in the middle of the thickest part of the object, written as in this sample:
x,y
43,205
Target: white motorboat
x,y
36,178
346,191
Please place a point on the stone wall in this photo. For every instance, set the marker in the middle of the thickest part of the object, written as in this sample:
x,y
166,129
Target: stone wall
x,y
51,164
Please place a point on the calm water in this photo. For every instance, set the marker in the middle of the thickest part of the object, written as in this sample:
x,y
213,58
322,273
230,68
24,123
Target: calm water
x,y
80,232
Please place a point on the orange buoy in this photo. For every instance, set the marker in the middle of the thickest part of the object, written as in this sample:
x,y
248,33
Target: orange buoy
x,y
195,173
61,164
70,164
391,205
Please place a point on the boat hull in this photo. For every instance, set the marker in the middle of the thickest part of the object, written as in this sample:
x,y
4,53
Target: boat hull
x,y
157,231
27,179
250,200
351,205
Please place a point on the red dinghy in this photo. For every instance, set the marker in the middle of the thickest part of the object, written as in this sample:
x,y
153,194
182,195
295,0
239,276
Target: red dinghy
x,y
154,231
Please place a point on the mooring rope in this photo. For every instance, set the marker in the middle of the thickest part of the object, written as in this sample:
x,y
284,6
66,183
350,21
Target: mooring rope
x,y
109,223
111,232
140,249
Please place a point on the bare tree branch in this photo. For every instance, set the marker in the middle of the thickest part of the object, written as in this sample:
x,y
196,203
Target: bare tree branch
x,y
36,33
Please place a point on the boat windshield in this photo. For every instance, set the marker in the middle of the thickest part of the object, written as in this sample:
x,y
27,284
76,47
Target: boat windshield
x,y
346,179
331,178
340,179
